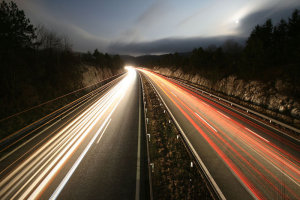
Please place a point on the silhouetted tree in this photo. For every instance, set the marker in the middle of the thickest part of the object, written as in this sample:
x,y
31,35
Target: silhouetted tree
x,y
259,45
293,35
96,53
232,47
15,29
280,51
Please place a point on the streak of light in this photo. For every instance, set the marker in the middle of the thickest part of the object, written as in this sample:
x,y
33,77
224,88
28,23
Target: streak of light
x,y
266,169
69,174
32,177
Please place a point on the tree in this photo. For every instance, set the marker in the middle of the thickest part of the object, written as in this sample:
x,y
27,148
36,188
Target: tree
x,y
259,46
262,34
294,36
99,58
15,29
280,50
232,47
96,53
47,39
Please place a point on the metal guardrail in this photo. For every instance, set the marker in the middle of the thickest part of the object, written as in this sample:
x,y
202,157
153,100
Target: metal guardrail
x,y
147,141
243,108
213,187
271,120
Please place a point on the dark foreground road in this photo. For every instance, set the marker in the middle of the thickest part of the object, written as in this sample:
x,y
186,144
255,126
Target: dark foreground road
x,y
96,152
244,159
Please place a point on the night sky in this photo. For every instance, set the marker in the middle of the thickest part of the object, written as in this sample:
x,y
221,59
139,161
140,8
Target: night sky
x,y
153,26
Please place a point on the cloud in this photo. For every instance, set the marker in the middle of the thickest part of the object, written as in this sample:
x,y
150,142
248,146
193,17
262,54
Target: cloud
x,y
166,45
145,22
81,39
150,16
157,21
247,24
169,45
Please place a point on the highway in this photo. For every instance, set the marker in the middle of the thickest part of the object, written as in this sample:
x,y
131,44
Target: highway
x,y
243,158
96,151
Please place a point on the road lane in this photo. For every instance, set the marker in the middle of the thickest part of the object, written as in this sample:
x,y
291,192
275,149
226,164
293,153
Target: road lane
x,y
113,159
51,168
245,159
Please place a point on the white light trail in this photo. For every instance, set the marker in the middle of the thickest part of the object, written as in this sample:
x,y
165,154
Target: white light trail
x,y
69,174
31,177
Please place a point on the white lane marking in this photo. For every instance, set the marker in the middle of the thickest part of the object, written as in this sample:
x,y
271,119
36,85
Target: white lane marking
x,y
67,177
70,173
223,115
103,131
174,94
34,163
80,136
206,122
74,167
257,135
138,162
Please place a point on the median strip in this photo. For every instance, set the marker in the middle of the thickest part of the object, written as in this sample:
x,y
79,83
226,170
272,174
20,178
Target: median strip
x,y
174,172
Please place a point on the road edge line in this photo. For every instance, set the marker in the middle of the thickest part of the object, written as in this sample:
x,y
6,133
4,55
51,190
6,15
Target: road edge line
x,y
203,167
138,162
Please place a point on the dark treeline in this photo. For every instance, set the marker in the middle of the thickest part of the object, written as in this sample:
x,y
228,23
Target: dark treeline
x,y
270,51
99,59
37,64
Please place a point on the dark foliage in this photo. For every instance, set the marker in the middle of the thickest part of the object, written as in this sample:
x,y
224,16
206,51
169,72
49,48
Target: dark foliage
x,y
15,29
114,62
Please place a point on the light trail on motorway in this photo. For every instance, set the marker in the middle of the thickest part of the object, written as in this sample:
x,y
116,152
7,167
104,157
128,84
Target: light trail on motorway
x,y
65,150
265,164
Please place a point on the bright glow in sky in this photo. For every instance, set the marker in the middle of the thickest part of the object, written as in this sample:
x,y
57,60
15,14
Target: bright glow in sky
x,y
103,23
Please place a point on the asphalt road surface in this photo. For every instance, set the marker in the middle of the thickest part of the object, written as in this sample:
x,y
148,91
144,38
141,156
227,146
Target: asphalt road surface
x,y
244,158
97,151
